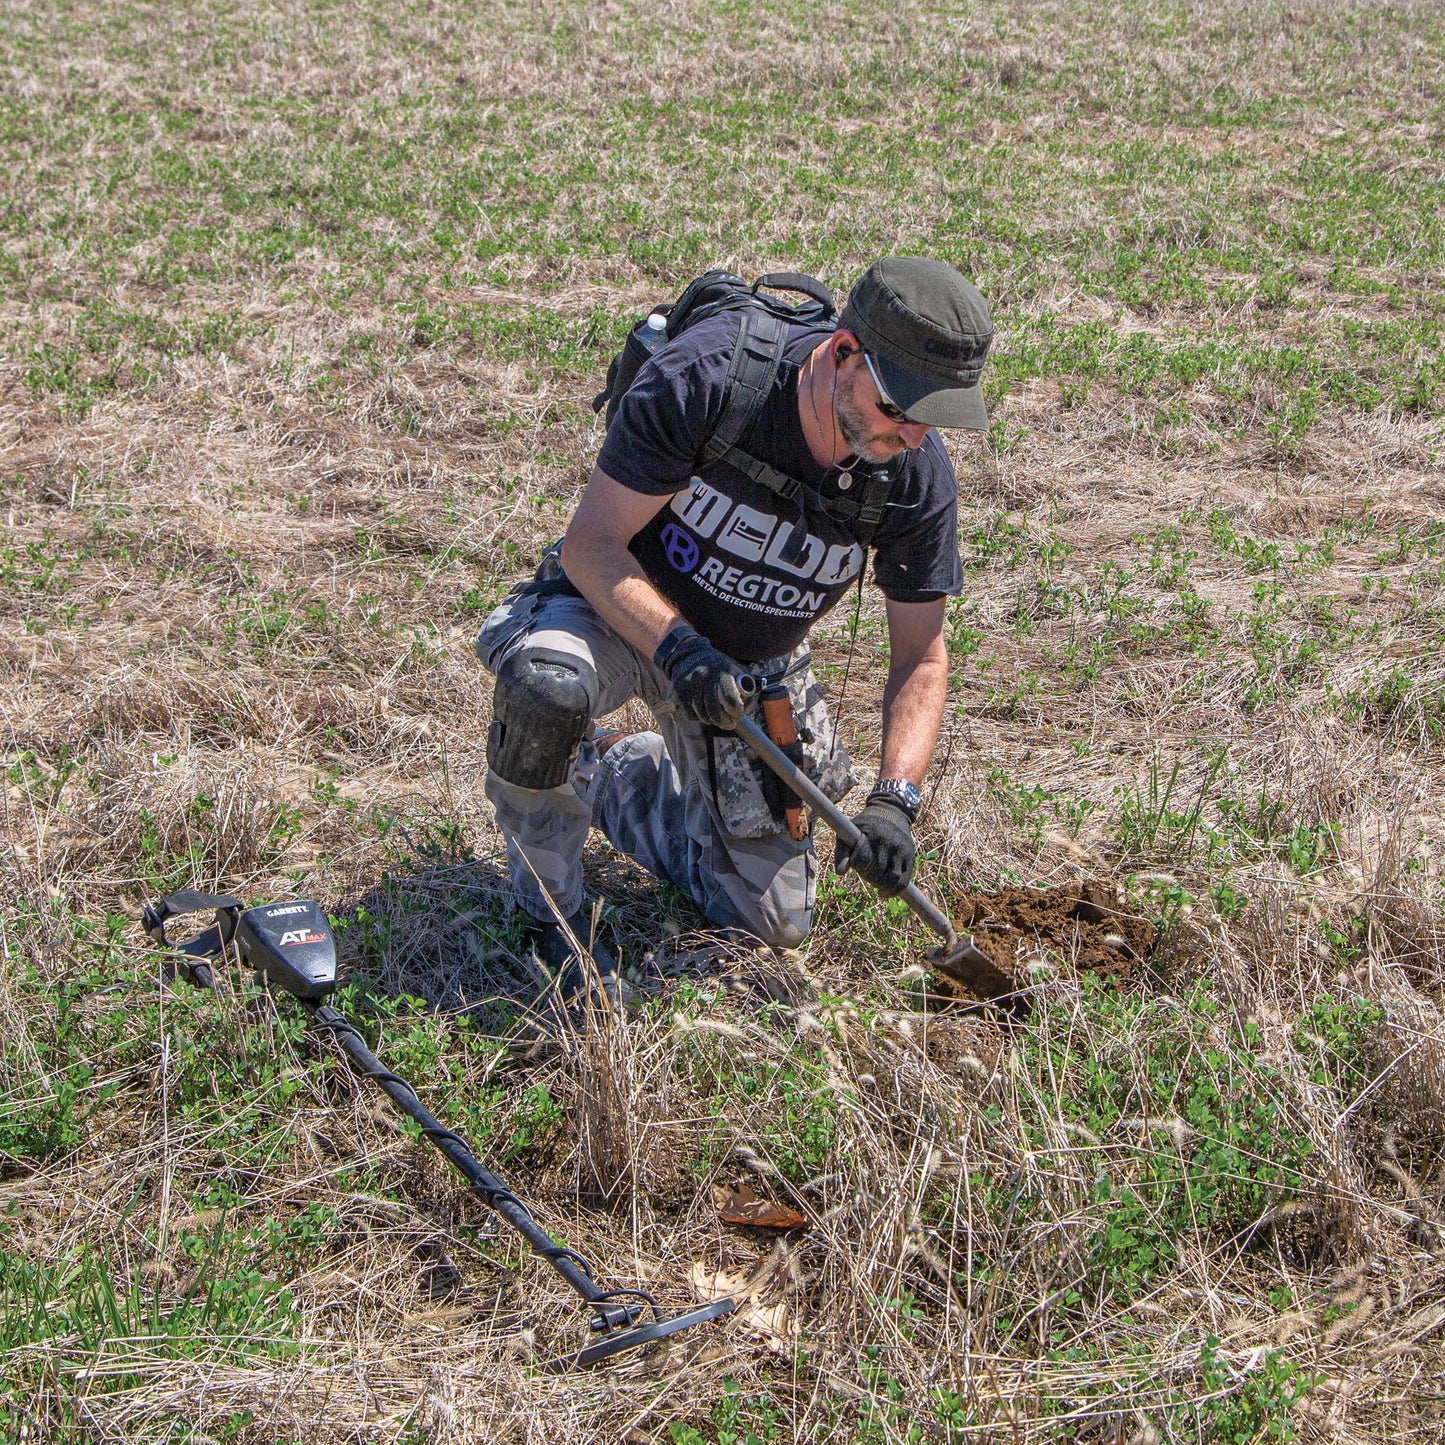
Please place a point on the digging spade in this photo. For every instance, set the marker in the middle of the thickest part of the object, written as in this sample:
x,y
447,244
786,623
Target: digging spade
x,y
959,957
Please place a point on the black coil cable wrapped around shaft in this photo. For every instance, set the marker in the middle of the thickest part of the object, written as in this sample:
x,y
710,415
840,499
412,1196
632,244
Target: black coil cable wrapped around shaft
x,y
483,1182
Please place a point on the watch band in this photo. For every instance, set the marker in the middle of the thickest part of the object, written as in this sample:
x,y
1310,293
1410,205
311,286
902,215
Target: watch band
x,y
901,793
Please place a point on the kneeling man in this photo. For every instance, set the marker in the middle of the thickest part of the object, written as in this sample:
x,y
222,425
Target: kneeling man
x,y
679,572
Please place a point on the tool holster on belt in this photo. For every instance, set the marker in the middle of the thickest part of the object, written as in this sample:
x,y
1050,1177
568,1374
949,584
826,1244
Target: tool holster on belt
x,y
782,728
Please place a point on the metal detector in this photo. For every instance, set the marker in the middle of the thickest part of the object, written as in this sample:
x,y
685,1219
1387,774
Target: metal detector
x,y
290,946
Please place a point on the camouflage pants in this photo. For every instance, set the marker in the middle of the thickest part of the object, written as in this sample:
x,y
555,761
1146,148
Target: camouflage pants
x,y
651,794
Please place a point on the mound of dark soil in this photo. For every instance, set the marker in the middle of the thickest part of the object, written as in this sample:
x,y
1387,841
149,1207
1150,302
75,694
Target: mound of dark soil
x,y
1080,926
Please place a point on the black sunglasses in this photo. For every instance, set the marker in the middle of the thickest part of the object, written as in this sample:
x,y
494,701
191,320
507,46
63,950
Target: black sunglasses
x,y
885,402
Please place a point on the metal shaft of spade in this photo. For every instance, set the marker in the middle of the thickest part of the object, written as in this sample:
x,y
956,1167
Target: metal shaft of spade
x,y
959,957
838,821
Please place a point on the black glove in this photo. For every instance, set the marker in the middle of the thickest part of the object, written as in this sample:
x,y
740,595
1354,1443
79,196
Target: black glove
x,y
883,856
704,680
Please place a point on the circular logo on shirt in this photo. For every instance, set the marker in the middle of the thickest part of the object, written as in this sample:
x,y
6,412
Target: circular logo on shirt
x,y
680,547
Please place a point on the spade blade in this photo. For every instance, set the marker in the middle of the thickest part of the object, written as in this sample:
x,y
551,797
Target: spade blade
x,y
962,959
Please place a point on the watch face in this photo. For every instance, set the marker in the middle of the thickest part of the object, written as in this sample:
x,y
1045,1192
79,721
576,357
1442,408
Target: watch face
x,y
905,792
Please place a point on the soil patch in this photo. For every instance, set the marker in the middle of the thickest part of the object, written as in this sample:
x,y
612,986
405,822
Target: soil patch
x,y
1083,927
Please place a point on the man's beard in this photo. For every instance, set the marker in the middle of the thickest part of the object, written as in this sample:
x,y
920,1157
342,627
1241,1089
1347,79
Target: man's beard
x,y
863,438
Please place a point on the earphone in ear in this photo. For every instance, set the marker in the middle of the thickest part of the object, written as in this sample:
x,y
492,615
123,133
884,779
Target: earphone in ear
x,y
844,352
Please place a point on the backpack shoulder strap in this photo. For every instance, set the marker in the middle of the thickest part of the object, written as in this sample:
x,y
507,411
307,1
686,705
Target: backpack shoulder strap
x,y
752,371
867,512
751,374
872,503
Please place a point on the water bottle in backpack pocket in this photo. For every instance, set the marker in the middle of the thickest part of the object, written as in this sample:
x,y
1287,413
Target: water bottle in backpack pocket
x,y
645,339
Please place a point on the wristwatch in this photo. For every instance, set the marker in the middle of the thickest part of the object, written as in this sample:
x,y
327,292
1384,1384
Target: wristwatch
x,y
900,792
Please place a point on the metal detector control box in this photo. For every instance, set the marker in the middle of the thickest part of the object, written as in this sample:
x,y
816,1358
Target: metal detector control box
x,y
290,945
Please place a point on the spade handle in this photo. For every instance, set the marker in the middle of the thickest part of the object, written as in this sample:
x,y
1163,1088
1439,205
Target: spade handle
x,y
837,820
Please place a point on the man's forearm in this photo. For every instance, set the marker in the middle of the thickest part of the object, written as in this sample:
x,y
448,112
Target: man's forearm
x,y
609,577
913,702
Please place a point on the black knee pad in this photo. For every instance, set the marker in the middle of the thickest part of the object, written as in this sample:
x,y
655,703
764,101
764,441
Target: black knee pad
x,y
541,710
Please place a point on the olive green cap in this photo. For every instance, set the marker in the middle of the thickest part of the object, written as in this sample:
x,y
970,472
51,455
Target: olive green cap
x,y
928,331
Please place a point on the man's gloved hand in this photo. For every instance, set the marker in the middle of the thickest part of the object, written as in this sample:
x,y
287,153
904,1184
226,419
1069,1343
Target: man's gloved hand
x,y
704,680
884,855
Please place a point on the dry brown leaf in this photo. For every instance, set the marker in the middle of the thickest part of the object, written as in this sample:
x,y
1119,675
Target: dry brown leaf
x,y
710,1284
772,1322
741,1204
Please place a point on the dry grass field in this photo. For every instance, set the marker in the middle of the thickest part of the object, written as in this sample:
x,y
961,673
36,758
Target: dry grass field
x,y
302,305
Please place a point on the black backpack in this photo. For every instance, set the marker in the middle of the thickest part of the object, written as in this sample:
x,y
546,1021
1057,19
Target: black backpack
x,y
752,371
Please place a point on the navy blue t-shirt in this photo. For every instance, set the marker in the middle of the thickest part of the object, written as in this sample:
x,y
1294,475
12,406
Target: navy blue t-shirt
x,y
725,552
